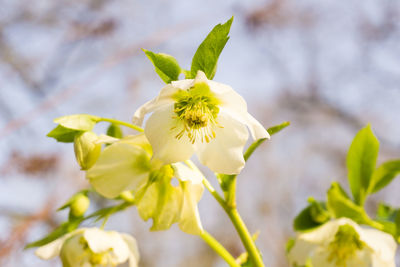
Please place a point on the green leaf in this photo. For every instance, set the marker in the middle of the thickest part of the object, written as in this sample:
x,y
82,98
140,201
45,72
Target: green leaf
x,y
115,131
166,66
383,175
62,134
79,122
304,221
389,217
314,215
63,229
361,161
277,128
207,54
272,130
340,205
108,211
386,212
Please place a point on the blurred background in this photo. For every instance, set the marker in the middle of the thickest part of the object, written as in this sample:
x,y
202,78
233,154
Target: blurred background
x,y
329,67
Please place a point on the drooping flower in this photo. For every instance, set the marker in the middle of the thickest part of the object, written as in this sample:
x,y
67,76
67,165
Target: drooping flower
x,y
92,247
203,117
127,165
343,243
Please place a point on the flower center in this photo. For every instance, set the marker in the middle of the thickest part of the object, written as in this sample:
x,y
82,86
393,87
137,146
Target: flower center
x,y
197,108
345,245
98,259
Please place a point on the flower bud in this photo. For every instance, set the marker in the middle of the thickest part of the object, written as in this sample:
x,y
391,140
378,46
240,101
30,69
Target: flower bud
x,y
79,205
127,196
86,150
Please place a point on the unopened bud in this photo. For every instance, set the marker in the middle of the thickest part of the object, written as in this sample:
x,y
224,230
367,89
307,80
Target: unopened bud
x,y
79,205
86,150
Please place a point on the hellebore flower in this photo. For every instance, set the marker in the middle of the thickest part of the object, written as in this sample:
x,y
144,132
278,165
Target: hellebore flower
x,y
86,247
203,117
127,165
343,243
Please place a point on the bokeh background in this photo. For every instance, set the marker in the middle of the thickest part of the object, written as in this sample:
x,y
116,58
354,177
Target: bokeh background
x,y
329,67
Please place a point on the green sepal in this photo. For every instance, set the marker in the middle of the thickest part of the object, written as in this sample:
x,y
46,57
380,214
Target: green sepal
x,y
62,134
361,161
166,66
384,175
207,54
61,230
114,130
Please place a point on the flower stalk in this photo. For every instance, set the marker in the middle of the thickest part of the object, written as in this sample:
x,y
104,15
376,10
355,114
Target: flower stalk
x,y
129,125
219,249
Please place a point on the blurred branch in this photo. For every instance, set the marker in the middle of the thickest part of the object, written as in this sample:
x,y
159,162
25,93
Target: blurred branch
x,y
20,231
118,57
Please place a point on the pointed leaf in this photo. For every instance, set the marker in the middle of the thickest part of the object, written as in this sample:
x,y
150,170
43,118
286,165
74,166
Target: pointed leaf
x,y
206,56
383,175
56,233
361,161
62,134
166,66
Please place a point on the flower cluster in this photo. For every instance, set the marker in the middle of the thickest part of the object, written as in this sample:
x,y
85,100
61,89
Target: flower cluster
x,y
152,170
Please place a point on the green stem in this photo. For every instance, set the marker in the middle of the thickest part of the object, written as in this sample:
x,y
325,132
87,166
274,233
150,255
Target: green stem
x,y
245,236
137,128
229,205
219,249
240,226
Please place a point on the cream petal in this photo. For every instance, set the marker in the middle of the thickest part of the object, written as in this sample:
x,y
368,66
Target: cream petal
x,y
102,241
383,246
106,139
52,249
189,221
300,252
224,153
234,103
325,233
163,98
184,173
134,256
183,84
161,131
120,167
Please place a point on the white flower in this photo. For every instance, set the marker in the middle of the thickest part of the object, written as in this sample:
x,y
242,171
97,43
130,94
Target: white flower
x,y
200,116
343,243
86,247
127,165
